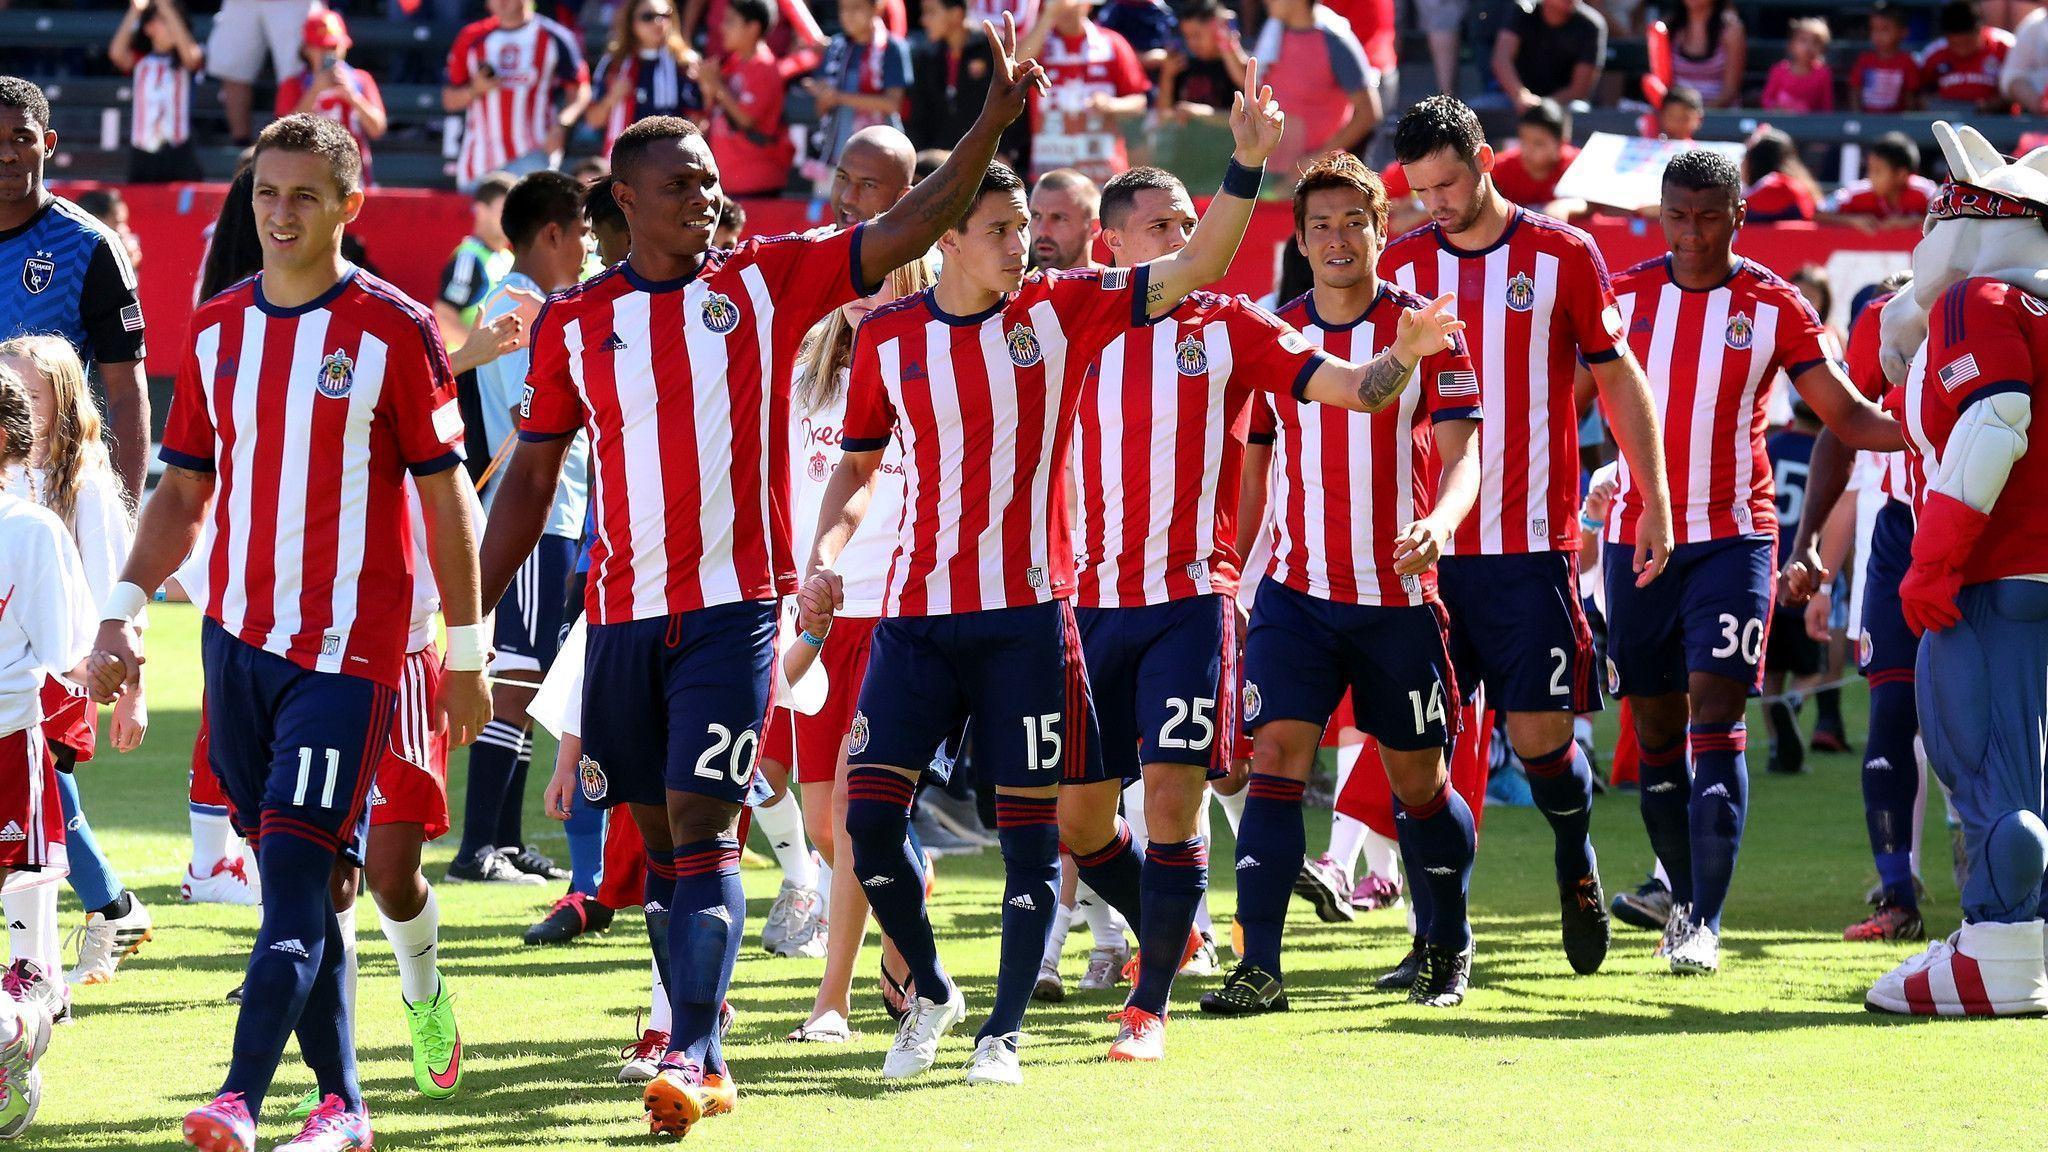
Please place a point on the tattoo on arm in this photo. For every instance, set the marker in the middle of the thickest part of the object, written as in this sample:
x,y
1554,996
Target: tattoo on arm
x,y
1155,294
190,474
1384,378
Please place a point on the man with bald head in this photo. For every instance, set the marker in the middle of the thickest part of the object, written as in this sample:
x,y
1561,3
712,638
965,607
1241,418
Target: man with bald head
x,y
1065,206
875,169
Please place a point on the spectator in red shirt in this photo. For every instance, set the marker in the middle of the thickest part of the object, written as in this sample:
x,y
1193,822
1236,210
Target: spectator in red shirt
x,y
1095,79
647,70
1776,184
1802,81
1320,76
744,90
332,88
1372,21
1893,194
1960,70
1527,171
1885,78
1681,114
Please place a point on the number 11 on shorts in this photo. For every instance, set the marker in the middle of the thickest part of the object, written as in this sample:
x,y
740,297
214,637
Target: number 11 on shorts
x,y
306,777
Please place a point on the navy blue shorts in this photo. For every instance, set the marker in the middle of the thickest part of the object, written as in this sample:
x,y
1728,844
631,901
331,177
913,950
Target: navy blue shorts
x,y
676,704
1888,648
1017,673
295,750
1165,682
1517,627
1303,653
528,626
1709,611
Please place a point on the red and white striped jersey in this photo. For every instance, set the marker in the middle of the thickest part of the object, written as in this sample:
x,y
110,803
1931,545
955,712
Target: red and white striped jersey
x,y
531,62
311,417
1710,358
1534,304
683,386
1865,364
985,406
1345,483
160,103
1160,448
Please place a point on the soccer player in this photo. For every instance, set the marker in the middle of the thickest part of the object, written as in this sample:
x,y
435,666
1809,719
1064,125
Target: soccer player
x,y
678,364
306,395
1363,505
1712,330
69,274
1534,295
543,221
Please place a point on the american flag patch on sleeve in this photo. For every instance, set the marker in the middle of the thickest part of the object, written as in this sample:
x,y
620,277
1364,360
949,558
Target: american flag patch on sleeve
x,y
1457,385
1114,279
131,318
1959,371
448,421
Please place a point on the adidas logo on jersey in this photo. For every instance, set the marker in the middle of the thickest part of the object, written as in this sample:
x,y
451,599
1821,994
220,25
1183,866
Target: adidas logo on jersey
x,y
612,343
1023,900
292,947
874,881
12,834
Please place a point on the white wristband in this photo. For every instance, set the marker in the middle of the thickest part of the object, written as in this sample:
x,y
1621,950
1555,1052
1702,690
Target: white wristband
x,y
466,648
125,601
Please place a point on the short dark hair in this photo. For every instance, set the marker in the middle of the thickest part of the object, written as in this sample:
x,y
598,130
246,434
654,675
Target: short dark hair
x,y
759,13
1816,276
1685,96
731,214
1200,10
1437,123
101,202
1898,150
317,136
1000,178
1345,171
1548,115
1121,192
538,200
493,187
633,143
1958,16
1886,10
601,208
1702,170
18,93
17,424
928,161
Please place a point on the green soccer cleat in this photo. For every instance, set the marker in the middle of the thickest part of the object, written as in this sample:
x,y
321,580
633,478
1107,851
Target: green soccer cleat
x,y
436,1045
305,1106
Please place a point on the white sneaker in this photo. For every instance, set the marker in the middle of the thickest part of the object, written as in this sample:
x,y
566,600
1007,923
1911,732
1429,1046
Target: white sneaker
x,y
831,1028
643,1057
28,984
1982,970
917,1038
995,1061
231,881
1203,962
1675,927
27,1027
1105,969
795,923
103,943
1697,952
1049,988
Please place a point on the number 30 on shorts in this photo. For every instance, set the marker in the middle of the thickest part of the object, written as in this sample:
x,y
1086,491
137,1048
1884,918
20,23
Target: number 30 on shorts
x,y
1744,636
738,751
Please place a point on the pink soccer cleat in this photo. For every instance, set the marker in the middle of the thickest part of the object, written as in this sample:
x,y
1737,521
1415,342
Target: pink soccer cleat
x,y
224,1125
331,1128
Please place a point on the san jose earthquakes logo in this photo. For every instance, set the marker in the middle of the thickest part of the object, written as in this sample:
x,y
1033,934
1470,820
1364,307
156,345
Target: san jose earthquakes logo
x,y
1251,700
1192,357
337,375
1521,292
1741,331
38,272
593,779
720,314
857,735
1024,350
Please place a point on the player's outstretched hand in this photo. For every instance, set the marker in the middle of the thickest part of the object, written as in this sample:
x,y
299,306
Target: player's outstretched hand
x,y
1428,331
1256,120
1420,545
1653,542
115,665
465,706
1013,80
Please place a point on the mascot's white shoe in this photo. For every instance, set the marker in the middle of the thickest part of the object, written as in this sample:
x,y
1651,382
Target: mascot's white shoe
x,y
1982,970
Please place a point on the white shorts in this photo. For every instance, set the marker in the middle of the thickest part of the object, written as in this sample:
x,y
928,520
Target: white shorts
x,y
234,49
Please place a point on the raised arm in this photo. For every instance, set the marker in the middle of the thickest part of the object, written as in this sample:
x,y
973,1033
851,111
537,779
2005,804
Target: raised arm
x,y
1255,125
1632,418
910,228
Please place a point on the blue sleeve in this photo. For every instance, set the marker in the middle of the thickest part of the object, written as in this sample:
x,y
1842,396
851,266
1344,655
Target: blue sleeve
x,y
1347,61
896,65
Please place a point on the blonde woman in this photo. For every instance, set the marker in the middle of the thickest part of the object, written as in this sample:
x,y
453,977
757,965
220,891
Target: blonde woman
x,y
69,472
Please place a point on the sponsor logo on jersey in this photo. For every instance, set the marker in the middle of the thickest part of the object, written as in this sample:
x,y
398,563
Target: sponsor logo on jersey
x,y
1192,357
874,882
1034,576
377,796
337,375
1024,350
1522,294
38,272
1252,700
1741,331
595,784
1864,650
719,313
857,734
12,834
1294,343
914,370
526,402
613,343
1610,319
1247,862
1877,764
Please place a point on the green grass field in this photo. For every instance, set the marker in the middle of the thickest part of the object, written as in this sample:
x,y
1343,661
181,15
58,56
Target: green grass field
x,y
1775,1052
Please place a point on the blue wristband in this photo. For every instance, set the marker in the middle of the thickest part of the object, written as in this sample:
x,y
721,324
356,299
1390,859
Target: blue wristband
x,y
1243,182
813,641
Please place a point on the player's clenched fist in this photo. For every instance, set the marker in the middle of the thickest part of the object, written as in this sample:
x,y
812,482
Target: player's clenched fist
x,y
1420,545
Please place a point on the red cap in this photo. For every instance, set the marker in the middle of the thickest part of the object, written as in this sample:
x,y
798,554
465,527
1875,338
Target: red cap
x,y
324,29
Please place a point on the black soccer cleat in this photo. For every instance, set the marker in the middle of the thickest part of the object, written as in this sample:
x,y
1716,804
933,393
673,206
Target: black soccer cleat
x,y
573,915
1402,978
1586,926
1443,977
528,859
1648,907
1248,991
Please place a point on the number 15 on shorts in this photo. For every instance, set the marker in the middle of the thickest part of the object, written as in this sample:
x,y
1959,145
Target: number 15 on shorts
x,y
1043,747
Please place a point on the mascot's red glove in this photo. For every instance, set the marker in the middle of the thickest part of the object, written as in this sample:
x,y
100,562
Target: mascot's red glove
x,y
1946,531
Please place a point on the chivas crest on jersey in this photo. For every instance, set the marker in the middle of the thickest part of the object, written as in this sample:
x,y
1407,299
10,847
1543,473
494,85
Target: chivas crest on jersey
x,y
337,375
1192,357
720,314
1521,292
592,777
1024,350
1741,331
